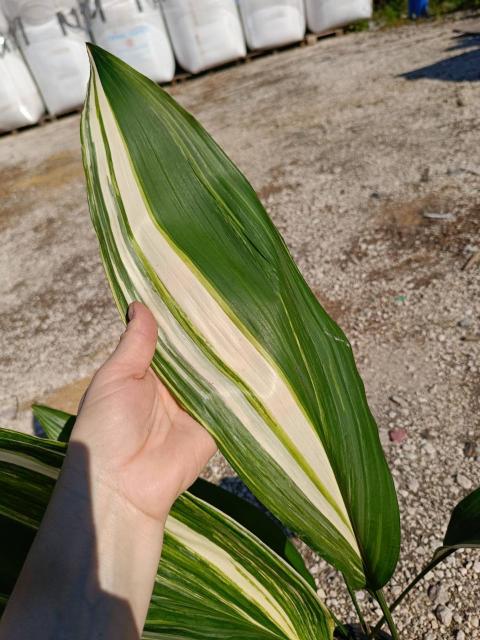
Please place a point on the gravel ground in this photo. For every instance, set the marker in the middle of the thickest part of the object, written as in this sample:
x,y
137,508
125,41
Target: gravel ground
x,y
365,150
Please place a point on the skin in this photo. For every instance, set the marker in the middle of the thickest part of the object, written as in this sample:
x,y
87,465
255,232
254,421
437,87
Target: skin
x,y
133,450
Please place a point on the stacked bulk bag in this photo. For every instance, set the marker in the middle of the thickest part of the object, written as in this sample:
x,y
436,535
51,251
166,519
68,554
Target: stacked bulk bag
x,y
134,31
52,39
20,102
323,15
204,33
272,23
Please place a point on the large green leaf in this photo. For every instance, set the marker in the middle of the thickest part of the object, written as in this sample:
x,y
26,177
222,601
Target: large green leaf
x,y
463,530
215,579
243,343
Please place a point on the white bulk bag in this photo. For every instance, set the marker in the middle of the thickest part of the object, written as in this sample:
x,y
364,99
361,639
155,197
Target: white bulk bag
x,y
204,33
20,102
36,11
272,23
134,31
330,14
56,54
3,25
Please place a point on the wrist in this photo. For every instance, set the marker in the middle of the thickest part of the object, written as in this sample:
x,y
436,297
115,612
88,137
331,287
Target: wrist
x,y
86,475
120,543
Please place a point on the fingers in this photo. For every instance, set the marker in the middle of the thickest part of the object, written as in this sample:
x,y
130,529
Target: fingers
x,y
135,350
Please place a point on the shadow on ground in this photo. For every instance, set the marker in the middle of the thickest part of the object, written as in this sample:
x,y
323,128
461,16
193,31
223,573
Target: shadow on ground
x,y
464,67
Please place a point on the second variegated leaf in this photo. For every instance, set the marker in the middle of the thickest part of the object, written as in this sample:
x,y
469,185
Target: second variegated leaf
x,y
215,579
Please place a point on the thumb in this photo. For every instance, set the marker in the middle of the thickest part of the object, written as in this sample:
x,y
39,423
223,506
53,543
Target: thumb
x,y
135,350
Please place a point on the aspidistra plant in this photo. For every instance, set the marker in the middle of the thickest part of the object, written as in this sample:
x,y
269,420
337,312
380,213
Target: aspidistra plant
x,y
243,344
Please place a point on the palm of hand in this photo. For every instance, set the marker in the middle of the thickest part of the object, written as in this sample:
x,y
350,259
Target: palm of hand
x,y
139,440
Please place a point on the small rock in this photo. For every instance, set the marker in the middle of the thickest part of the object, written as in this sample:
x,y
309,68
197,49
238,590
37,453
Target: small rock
x,y
470,449
397,400
438,215
429,449
413,485
428,636
438,594
397,435
444,615
425,176
476,566
463,481
432,592
443,596
465,323
474,621
460,635
9,409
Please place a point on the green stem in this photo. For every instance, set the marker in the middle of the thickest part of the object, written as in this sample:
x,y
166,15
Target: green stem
x,y
380,598
431,565
340,626
361,619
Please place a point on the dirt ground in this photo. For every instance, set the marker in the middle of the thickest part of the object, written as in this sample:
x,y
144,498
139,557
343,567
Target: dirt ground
x,y
365,150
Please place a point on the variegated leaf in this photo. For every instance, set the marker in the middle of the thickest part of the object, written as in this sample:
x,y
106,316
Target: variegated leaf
x,y
55,423
215,579
60,424
243,343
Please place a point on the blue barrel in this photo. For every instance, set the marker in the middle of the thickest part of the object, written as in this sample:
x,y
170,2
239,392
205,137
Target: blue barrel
x,y
417,8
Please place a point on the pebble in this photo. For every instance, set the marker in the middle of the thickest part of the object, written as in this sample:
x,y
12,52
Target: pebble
x,y
413,485
429,448
460,635
438,593
474,621
397,435
9,409
397,400
444,615
463,481
476,566
470,449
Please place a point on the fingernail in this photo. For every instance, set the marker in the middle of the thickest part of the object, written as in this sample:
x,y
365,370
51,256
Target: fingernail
x,y
131,311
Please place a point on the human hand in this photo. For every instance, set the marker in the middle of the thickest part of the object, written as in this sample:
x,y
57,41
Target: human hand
x,y
96,554
141,444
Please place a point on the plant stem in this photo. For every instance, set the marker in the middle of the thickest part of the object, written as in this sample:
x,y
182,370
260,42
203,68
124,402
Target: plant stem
x,y
340,626
380,598
361,619
431,565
